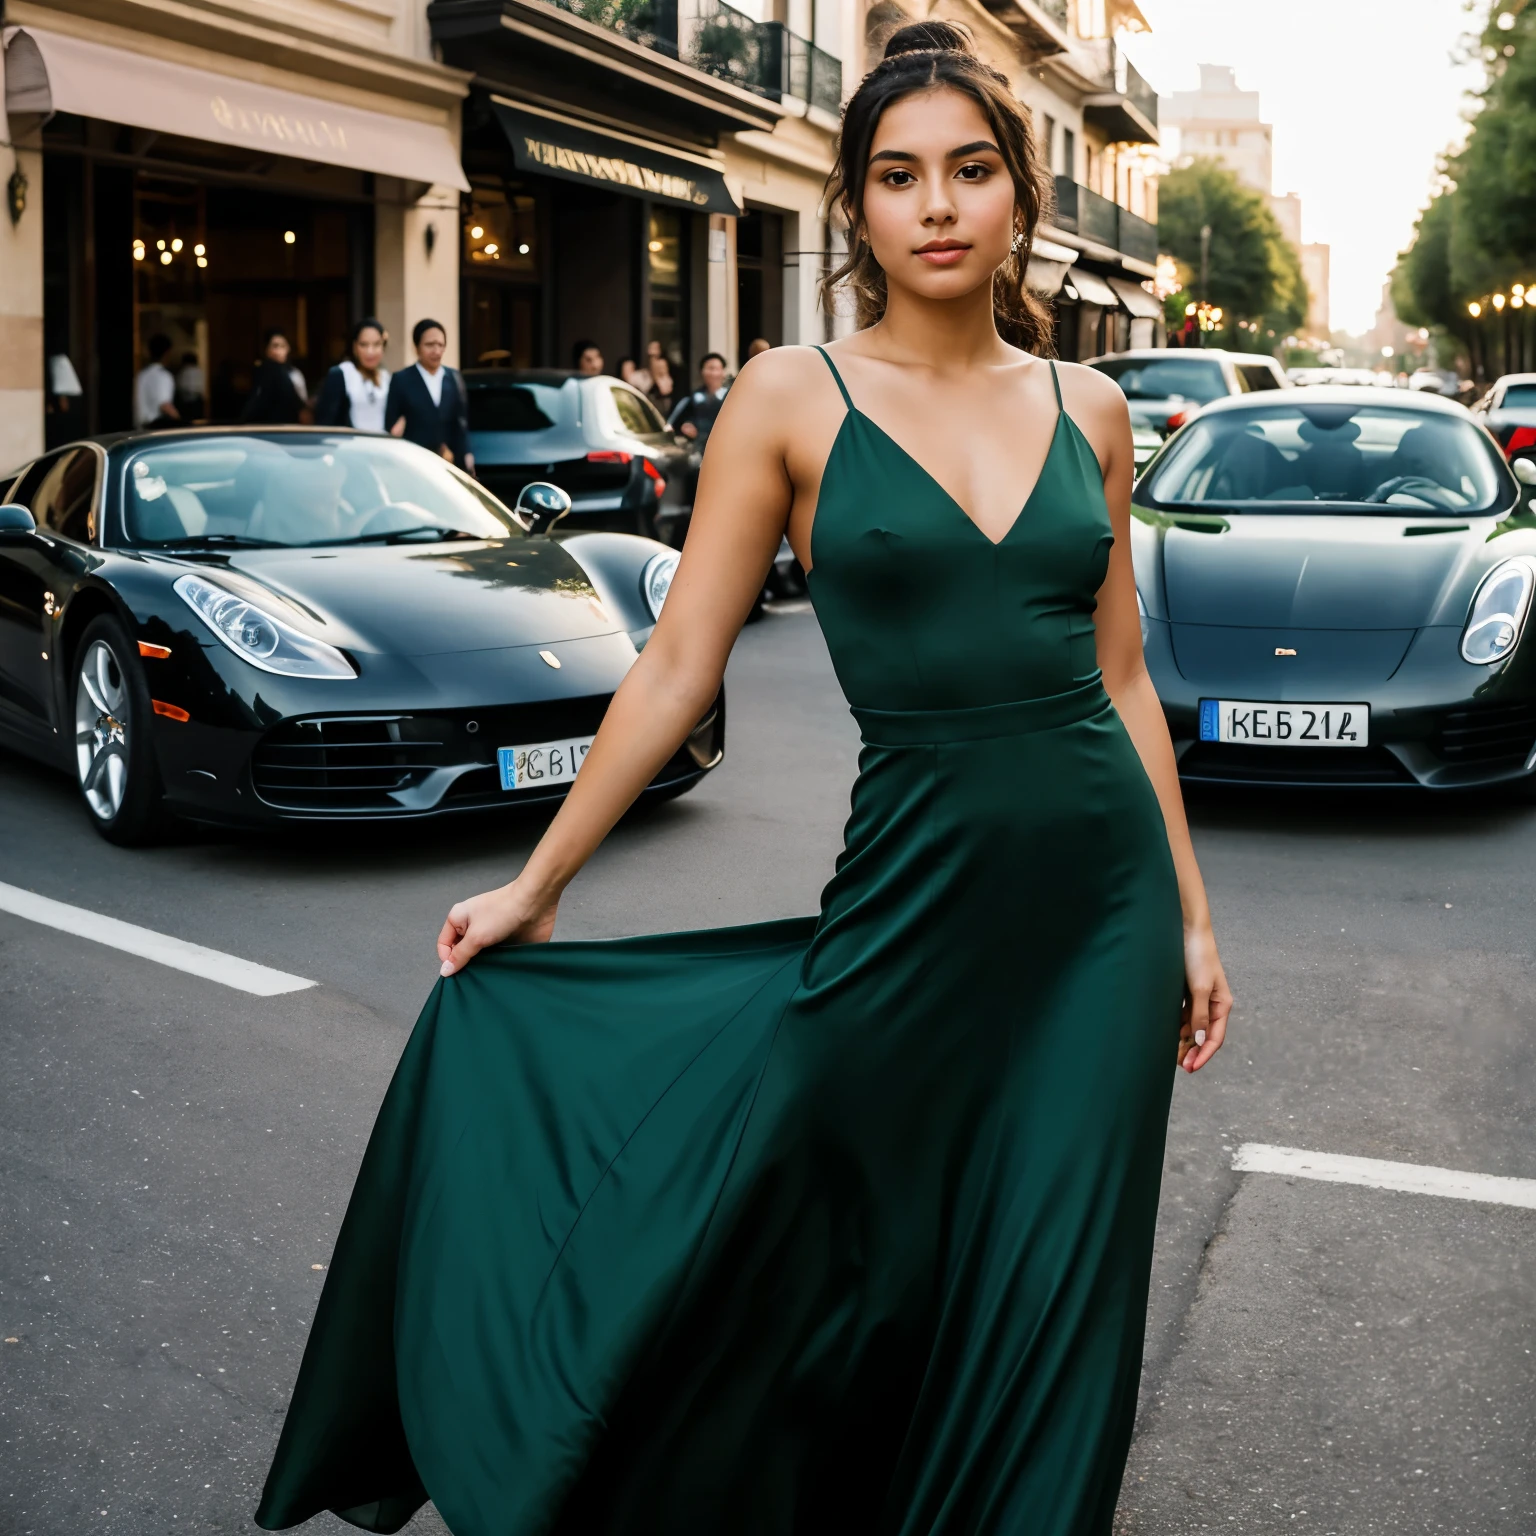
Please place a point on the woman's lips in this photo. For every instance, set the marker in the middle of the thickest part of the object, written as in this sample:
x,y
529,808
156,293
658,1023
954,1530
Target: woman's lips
x,y
942,255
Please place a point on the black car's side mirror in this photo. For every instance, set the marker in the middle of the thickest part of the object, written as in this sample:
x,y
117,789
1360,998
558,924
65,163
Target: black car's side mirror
x,y
16,523
540,506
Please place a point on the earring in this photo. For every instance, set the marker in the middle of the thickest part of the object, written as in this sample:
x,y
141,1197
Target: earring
x,y
1018,242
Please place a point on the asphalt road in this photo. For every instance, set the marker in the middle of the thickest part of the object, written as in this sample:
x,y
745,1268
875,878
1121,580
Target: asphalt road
x,y
175,1156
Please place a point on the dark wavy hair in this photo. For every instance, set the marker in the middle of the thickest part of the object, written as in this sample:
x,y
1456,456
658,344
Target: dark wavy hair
x,y
920,57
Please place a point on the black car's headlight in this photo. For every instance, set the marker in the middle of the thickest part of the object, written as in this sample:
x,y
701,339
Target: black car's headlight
x,y
1498,612
259,637
656,579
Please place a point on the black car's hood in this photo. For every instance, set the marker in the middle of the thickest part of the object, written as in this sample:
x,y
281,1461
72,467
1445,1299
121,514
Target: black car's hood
x,y
1285,571
416,600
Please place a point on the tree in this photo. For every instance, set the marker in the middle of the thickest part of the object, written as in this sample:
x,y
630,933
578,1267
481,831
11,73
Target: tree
x,y
1254,271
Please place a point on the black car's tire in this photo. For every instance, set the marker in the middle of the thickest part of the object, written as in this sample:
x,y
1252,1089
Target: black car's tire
x,y
113,756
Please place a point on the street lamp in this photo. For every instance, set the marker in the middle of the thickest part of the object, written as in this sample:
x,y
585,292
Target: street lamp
x,y
1498,301
1474,309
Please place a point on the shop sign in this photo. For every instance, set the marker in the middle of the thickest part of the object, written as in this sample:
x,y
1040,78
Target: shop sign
x,y
279,128
570,150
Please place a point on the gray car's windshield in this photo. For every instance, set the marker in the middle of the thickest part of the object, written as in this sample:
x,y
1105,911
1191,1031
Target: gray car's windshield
x,y
1349,458
1173,378
292,490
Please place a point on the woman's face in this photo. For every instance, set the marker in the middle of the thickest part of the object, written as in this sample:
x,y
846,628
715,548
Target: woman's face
x,y
939,205
368,349
277,349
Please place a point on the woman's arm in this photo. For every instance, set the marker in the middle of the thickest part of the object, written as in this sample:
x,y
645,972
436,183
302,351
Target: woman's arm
x,y
1100,408
738,519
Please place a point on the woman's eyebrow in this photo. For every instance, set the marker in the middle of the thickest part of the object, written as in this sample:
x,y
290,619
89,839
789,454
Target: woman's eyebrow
x,y
894,154
974,148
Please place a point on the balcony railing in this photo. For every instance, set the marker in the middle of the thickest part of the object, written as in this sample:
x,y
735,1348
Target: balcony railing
x,y
763,57
1122,106
1081,211
1131,84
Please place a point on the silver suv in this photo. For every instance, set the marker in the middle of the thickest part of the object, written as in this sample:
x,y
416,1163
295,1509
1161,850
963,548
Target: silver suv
x,y
1166,386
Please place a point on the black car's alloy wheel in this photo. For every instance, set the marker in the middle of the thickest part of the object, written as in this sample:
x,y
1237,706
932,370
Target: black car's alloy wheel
x,y
114,757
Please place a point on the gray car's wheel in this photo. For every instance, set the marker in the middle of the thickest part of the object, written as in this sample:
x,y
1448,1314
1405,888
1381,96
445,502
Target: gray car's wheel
x,y
114,757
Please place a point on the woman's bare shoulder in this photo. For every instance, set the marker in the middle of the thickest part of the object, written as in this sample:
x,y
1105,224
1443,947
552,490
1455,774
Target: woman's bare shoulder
x,y
1085,388
782,373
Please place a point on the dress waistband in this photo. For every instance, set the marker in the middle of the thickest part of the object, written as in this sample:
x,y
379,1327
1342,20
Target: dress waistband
x,y
1021,717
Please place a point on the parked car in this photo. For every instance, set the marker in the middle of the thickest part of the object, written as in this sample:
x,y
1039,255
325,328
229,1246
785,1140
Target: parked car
x,y
1335,586
598,439
1509,411
1443,381
264,625
1166,387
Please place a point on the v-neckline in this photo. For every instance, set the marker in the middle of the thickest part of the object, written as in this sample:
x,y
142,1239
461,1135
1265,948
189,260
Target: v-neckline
x,y
934,481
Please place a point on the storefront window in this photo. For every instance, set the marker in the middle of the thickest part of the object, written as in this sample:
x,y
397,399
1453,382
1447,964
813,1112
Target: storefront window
x,y
499,233
500,263
664,259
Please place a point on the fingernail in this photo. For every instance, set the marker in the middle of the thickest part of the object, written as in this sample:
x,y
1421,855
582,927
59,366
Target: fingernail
x,y
1199,1037
447,969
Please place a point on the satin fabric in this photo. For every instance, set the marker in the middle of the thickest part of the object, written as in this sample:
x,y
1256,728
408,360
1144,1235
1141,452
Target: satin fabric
x,y
834,1225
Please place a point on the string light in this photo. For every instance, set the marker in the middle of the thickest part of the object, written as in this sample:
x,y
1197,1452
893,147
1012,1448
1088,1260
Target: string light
x,y
289,237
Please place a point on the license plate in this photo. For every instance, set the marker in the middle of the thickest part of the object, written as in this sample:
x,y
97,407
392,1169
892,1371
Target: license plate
x,y
545,762
1257,724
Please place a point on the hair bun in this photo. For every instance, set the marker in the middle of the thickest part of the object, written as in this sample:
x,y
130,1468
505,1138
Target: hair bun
x,y
931,37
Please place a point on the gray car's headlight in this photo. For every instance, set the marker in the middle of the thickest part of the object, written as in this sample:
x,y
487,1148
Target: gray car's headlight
x,y
1498,612
656,580
257,636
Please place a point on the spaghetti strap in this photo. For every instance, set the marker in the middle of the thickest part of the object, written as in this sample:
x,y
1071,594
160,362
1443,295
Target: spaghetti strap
x,y
1056,380
847,398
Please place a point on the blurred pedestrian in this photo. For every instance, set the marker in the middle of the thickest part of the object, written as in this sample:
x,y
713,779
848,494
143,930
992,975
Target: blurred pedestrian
x,y
427,404
154,389
190,387
663,388
278,393
587,358
696,413
633,374
759,344
354,391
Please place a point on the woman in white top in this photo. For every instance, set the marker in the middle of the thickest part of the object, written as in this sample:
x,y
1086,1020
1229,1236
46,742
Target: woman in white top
x,y
354,392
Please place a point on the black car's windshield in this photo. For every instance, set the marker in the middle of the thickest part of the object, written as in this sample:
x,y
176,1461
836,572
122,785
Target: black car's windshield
x,y
1173,378
291,490
1347,458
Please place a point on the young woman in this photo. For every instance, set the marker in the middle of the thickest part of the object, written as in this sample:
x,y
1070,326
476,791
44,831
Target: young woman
x,y
278,394
834,1225
354,391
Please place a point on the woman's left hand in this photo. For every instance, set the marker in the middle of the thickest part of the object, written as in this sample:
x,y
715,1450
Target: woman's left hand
x,y
1207,1000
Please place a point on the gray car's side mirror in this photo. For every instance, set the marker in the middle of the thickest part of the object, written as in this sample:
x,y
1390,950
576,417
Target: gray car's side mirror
x,y
16,522
540,506
1525,473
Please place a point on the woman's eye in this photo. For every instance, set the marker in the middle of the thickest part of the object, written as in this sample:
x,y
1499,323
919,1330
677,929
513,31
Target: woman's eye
x,y
900,179
974,172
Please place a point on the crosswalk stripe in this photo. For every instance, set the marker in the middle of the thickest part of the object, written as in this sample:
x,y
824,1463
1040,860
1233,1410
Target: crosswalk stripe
x,y
1372,1173
212,964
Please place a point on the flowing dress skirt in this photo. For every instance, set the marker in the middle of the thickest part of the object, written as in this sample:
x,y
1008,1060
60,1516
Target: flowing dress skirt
x,y
832,1226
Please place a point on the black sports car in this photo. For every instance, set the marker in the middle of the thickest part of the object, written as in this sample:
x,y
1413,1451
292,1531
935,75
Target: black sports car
x,y
247,626
595,437
1334,587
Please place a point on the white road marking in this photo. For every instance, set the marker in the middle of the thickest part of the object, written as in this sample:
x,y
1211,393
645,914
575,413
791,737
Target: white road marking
x,y
1372,1173
212,964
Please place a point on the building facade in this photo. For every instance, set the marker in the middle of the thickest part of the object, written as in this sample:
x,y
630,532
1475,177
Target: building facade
x,y
536,174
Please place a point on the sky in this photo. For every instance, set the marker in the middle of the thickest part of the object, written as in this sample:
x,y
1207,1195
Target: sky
x,y
1364,97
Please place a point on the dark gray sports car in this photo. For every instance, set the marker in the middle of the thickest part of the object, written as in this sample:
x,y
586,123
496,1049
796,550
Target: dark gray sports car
x,y
1334,586
260,625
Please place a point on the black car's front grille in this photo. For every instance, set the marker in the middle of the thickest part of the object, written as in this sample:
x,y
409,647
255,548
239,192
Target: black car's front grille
x,y
1489,735
1292,765
361,764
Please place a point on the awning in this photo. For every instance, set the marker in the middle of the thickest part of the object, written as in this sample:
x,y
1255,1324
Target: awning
x,y
1138,303
1092,289
554,145
1045,277
95,80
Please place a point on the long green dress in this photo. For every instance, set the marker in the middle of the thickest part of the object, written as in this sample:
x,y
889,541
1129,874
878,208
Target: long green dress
x,y
827,1227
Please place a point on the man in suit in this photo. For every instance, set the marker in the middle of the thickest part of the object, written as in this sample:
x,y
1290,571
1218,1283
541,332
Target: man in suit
x,y
428,404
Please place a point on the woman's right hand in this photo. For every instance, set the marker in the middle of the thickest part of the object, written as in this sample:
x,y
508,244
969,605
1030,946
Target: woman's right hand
x,y
495,917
